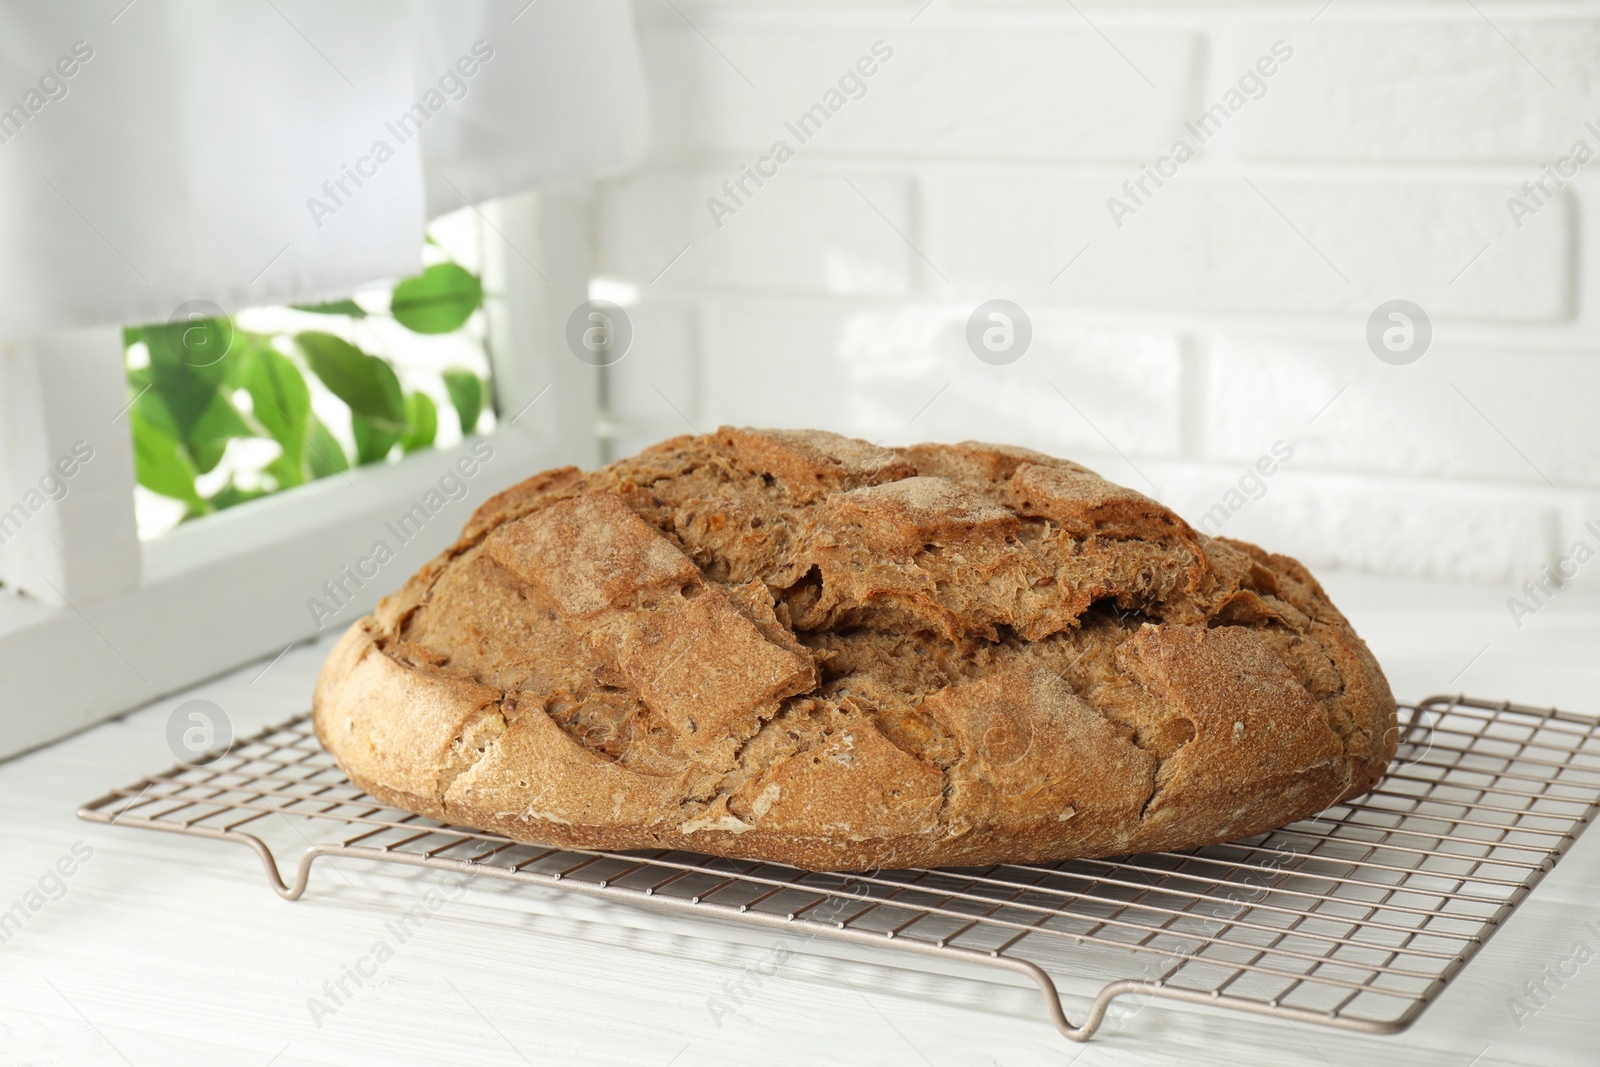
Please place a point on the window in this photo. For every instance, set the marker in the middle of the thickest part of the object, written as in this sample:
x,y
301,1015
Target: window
x,y
99,619
228,409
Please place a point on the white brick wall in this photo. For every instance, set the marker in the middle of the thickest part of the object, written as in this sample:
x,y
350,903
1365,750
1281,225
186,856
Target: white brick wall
x,y
1468,94
1225,313
806,232
903,373
971,91
1218,244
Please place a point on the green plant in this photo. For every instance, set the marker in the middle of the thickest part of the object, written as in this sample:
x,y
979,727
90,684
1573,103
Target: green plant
x,y
207,382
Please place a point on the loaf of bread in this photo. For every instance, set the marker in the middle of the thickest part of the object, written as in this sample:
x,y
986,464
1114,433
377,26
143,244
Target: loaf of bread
x,y
794,646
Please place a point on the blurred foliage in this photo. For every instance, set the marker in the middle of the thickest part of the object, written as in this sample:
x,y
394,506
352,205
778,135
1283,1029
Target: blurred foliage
x,y
439,300
208,382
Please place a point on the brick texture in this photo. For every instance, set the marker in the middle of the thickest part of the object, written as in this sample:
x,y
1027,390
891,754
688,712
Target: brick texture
x,y
1391,527
804,231
905,374
1448,414
1177,339
1242,245
1447,92
973,91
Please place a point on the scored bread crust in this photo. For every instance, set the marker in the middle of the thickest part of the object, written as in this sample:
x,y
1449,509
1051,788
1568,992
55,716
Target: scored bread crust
x,y
794,646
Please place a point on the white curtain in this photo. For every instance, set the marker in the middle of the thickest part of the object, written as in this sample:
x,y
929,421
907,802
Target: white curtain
x,y
277,151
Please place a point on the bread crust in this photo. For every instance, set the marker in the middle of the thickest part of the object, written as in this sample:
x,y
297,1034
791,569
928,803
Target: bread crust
x,y
798,647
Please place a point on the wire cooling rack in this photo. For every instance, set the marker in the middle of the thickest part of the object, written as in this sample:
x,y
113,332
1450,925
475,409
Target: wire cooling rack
x,y
1357,918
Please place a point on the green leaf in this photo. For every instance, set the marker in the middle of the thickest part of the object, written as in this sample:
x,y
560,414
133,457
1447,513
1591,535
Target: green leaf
x,y
161,466
209,437
281,401
466,393
231,495
323,452
184,380
186,401
145,400
424,418
438,300
203,344
286,471
150,406
221,420
373,442
366,383
236,368
334,307
394,396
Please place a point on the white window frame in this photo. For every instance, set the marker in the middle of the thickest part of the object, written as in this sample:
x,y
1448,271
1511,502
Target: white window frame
x,y
97,622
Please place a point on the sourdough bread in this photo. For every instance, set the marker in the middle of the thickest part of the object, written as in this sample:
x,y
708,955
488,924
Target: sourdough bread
x,y
795,646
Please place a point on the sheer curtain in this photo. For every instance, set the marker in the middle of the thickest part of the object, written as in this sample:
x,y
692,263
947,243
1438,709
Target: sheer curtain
x,y
164,152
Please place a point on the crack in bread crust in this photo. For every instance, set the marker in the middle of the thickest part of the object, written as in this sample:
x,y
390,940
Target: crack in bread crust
x,y
795,646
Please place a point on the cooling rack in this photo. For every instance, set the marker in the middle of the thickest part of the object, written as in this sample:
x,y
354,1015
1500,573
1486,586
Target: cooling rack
x,y
1357,918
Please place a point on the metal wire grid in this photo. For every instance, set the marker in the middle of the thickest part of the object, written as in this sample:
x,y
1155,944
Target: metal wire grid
x,y
1357,918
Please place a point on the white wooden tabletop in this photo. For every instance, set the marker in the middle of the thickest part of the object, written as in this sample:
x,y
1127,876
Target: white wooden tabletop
x,y
166,950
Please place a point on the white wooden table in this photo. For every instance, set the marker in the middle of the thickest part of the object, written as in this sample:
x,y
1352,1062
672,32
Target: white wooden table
x,y
169,950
